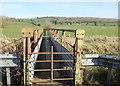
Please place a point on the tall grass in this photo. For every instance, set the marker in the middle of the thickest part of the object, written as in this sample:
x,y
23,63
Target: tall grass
x,y
10,45
101,44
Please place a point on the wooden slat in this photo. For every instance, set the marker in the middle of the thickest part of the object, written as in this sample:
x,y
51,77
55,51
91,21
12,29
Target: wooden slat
x,y
42,70
40,61
40,80
47,83
53,53
63,61
50,61
62,69
58,79
68,30
41,53
63,53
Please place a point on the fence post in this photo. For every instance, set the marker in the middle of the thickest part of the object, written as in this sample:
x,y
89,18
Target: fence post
x,y
24,57
55,32
35,37
52,64
26,53
39,32
63,38
78,59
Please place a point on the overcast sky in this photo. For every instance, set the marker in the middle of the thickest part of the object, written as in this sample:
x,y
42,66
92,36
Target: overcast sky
x,y
104,9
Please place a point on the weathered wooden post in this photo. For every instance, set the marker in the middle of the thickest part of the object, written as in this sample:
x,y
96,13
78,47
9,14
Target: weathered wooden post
x,y
38,35
52,64
35,37
58,32
26,33
63,38
55,32
78,51
51,31
39,32
28,55
24,56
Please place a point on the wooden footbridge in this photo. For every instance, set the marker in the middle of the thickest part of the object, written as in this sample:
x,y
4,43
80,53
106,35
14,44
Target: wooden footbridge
x,y
48,58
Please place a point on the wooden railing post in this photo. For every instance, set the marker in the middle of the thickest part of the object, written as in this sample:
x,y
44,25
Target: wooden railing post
x,y
28,55
24,57
35,37
55,32
51,64
39,32
63,38
78,50
58,32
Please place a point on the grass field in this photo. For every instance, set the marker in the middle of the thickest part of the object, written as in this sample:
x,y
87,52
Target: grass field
x,y
13,29
93,30
0,32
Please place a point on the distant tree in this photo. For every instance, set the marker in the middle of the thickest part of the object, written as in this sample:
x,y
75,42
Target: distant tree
x,y
86,23
70,23
103,24
39,25
55,22
95,23
18,20
3,22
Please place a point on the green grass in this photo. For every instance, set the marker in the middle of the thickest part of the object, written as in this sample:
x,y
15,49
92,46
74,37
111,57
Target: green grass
x,y
92,30
0,32
14,29
100,30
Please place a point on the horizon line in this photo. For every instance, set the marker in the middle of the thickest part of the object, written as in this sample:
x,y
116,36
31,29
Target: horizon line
x,y
56,16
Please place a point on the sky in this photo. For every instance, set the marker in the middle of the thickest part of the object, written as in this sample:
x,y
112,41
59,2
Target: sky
x,y
64,9
59,0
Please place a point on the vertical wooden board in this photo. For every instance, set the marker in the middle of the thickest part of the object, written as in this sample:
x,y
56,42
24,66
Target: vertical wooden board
x,y
35,37
63,38
26,34
39,33
24,58
28,57
52,64
78,49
